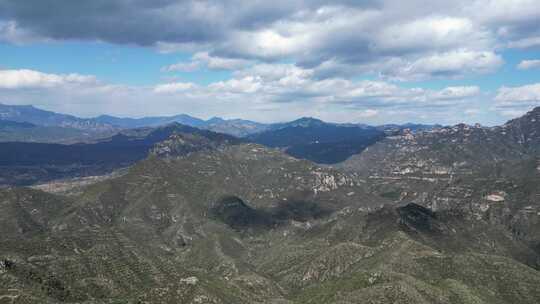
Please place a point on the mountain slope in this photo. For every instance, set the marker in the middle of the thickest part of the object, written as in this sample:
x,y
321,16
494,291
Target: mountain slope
x,y
247,224
40,117
27,163
106,124
318,141
27,132
493,173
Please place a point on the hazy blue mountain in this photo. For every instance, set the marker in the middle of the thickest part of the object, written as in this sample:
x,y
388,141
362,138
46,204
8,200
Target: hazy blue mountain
x,y
8,124
236,127
150,121
12,131
40,117
318,141
31,114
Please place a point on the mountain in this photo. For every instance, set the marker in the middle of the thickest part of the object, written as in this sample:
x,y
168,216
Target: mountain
x,y
449,215
28,163
129,123
318,141
247,224
40,117
7,124
493,173
26,132
413,127
236,127
105,125
61,128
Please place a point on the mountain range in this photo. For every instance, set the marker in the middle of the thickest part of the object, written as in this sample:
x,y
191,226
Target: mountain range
x,y
449,215
319,141
307,138
31,114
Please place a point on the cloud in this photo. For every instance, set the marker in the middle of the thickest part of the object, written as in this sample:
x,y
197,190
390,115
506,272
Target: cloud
x,y
28,79
182,67
368,113
529,64
265,92
419,40
174,87
203,59
472,111
511,100
514,21
453,64
291,57
451,93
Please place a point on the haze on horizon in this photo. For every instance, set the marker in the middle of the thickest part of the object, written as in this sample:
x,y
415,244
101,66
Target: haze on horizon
x,y
374,61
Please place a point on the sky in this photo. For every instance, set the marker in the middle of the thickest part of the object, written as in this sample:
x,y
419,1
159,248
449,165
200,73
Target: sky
x,y
372,61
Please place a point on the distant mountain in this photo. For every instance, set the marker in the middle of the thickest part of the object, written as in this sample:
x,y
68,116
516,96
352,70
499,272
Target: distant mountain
x,y
236,127
318,141
8,124
40,117
11,131
28,163
107,123
150,121
413,127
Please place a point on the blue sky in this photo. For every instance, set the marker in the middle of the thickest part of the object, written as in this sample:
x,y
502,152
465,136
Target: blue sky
x,y
376,61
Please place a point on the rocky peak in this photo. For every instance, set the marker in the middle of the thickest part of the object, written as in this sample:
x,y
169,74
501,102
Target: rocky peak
x,y
525,130
182,144
306,122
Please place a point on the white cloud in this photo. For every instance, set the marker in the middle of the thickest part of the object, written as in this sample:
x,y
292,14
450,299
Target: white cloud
x,y
524,43
529,64
174,87
457,63
203,59
432,32
182,67
220,63
525,93
262,92
451,93
21,79
417,40
368,113
472,111
512,100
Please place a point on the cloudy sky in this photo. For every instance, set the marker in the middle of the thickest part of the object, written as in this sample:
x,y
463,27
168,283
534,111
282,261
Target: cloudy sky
x,y
372,61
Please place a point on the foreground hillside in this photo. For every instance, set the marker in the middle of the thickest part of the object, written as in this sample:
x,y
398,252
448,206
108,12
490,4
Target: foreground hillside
x,y
246,224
